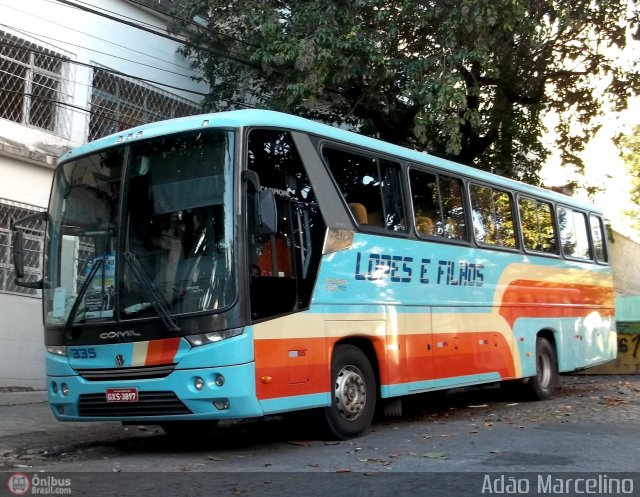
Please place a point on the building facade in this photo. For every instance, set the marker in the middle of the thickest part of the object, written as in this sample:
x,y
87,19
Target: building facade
x,y
70,72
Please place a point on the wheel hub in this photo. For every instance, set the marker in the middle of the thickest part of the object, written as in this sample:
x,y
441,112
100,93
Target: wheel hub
x,y
350,392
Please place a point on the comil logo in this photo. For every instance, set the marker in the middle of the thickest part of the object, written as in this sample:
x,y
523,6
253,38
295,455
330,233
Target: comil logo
x,y
19,484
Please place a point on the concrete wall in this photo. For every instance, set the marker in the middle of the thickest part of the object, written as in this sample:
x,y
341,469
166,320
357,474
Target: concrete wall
x,y
625,261
21,349
28,155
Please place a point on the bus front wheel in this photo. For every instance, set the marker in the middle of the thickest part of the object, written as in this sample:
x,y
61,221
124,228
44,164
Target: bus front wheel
x,y
547,379
353,393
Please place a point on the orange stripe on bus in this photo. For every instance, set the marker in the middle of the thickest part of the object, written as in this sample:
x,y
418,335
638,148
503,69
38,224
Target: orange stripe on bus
x,y
287,367
529,298
162,351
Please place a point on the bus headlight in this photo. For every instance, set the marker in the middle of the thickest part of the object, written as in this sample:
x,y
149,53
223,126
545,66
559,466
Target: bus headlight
x,y
60,350
214,336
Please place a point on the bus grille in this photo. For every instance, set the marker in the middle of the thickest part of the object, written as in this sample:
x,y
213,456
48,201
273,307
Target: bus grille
x,y
144,372
149,404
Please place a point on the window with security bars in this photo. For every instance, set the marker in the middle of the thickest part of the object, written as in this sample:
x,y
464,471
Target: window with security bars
x,y
34,82
11,211
118,103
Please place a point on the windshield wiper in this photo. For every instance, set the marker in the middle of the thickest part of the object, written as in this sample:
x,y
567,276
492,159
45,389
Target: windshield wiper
x,y
156,300
98,263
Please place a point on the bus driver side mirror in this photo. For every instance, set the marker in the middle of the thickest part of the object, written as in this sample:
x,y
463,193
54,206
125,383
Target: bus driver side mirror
x,y
19,250
266,212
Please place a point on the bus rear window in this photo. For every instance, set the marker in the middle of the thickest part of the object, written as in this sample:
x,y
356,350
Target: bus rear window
x,y
598,237
573,233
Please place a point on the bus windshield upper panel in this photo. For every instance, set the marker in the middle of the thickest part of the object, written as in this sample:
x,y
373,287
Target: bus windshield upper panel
x,y
175,251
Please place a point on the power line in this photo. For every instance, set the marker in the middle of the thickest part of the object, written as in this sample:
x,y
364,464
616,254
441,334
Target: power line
x,y
193,23
102,68
219,53
36,35
87,35
90,110
93,66
110,12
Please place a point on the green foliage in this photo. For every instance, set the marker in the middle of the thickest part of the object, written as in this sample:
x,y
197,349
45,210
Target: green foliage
x,y
467,79
629,146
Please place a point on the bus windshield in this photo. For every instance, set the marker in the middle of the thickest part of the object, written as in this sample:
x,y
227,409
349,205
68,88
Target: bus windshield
x,y
168,252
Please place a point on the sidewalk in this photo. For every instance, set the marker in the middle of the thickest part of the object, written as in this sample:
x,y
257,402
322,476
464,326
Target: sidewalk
x,y
29,430
10,397
24,412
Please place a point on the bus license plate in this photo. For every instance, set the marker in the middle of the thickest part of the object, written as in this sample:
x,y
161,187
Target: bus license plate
x,y
122,395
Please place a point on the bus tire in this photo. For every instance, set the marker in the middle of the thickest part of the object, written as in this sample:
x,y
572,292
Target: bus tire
x,y
353,393
547,379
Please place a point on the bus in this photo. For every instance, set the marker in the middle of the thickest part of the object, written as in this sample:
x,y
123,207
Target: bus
x,y
247,263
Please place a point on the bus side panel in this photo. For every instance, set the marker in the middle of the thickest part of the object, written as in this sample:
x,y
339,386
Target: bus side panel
x,y
574,304
437,316
471,346
293,354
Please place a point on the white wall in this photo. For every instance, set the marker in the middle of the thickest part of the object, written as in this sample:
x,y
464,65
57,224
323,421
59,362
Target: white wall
x,y
28,155
625,262
22,346
24,182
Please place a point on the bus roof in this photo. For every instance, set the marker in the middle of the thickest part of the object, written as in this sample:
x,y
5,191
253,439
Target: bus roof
x,y
267,118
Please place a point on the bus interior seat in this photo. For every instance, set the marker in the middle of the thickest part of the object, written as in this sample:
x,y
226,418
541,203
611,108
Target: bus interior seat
x,y
375,219
359,212
425,225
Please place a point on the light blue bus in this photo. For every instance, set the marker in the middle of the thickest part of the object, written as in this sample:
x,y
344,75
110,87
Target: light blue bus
x,y
246,263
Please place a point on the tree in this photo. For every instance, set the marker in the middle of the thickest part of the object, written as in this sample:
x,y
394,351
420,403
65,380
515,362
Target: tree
x,y
629,146
467,79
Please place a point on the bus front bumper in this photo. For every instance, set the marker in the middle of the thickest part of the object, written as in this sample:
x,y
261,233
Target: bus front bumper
x,y
190,394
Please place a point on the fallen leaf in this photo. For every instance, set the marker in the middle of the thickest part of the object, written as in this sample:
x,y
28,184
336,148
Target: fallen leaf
x,y
480,405
313,465
434,455
214,458
301,444
343,470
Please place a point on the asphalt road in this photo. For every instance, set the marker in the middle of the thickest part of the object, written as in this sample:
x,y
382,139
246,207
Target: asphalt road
x,y
590,426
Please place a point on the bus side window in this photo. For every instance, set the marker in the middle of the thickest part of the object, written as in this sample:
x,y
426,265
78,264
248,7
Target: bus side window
x,y
437,205
538,228
492,217
370,187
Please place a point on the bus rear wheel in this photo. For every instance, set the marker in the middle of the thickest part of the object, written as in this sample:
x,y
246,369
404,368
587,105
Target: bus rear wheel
x,y
547,379
353,395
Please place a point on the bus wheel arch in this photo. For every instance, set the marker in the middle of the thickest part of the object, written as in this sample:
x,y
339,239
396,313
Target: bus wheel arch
x,y
354,389
546,381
